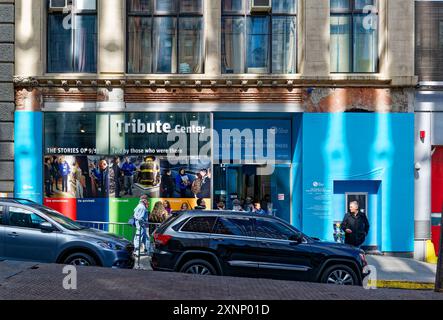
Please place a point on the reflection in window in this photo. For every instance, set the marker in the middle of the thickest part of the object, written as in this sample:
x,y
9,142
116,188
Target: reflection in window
x,y
259,43
22,218
272,230
354,36
72,41
168,39
233,226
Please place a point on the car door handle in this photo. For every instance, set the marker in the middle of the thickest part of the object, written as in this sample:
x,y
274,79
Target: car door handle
x,y
219,239
13,234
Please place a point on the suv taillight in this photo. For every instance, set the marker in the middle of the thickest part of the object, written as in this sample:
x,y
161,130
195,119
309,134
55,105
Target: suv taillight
x,y
161,239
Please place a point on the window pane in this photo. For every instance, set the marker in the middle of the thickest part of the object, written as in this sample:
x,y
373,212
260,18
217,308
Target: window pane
x,y
200,225
233,45
59,45
235,227
140,6
139,45
2,215
165,6
361,4
272,230
19,217
258,45
190,45
85,4
284,48
237,6
340,44
365,46
284,6
340,4
165,45
85,42
193,6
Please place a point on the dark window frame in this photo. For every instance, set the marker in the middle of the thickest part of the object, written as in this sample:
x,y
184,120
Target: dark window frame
x,y
83,13
247,13
177,15
352,12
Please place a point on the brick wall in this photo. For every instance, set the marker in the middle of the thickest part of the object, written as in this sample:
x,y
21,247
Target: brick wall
x,y
6,96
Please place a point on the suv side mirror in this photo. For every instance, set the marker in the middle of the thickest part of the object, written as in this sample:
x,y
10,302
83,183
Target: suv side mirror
x,y
297,237
47,227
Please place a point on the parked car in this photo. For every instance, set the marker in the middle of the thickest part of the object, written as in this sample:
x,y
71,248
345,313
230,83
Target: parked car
x,y
243,244
31,232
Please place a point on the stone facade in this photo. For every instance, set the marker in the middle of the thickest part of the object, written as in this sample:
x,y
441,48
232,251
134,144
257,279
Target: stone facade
x,y
6,96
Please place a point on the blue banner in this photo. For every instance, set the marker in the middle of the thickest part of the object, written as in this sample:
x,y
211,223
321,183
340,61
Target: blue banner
x,y
28,148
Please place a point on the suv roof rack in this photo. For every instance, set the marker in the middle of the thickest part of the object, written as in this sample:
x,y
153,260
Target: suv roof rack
x,y
16,200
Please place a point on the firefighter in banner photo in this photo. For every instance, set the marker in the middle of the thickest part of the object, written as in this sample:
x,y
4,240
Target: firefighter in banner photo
x,y
149,175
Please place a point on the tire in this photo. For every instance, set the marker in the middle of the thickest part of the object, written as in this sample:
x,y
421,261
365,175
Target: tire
x,y
339,275
199,267
80,259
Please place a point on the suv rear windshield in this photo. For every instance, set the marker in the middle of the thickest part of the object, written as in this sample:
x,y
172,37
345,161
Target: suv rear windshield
x,y
199,225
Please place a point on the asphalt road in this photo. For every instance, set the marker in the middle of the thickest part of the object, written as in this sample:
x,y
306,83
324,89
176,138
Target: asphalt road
x,y
29,281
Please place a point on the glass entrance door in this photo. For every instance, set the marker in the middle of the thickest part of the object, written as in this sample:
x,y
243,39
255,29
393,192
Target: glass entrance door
x,y
240,182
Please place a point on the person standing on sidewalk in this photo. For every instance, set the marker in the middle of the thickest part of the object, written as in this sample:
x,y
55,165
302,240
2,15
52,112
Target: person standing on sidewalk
x,y
140,212
355,225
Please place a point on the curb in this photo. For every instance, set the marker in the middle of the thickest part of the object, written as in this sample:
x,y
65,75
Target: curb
x,y
408,285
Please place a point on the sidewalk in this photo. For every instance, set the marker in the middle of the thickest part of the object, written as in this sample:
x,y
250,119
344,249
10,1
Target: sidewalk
x,y
402,273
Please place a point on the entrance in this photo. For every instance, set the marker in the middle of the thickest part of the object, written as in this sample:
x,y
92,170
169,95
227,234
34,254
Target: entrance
x,y
240,182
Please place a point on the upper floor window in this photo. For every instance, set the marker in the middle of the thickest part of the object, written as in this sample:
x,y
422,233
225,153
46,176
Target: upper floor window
x,y
256,41
165,36
72,36
354,36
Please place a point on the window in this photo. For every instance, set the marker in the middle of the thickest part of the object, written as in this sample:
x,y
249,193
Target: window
x,y
354,36
272,230
72,37
2,215
259,43
23,218
165,36
234,226
200,225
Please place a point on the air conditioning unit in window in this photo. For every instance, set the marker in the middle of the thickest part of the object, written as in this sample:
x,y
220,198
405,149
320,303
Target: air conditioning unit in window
x,y
59,5
261,5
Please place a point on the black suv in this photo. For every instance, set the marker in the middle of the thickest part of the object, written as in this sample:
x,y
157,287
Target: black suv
x,y
241,244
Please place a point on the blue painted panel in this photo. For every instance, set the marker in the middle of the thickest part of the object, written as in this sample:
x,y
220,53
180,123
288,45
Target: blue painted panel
x,y
350,146
28,159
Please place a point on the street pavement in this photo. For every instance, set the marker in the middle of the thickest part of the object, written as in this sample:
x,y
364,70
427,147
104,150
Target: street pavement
x,y
24,281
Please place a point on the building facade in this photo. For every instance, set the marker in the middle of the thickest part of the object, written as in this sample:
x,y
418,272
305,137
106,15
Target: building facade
x,y
6,96
428,122
325,87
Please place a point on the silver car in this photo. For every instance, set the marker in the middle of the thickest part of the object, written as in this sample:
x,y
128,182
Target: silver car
x,y
32,232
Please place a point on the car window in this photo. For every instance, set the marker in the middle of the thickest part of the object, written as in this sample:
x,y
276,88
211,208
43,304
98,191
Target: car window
x,y
272,230
2,215
23,218
200,225
234,226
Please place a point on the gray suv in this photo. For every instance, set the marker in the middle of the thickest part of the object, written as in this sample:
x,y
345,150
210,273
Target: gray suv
x,y
31,232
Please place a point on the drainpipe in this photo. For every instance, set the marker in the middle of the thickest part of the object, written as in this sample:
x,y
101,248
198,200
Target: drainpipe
x,y
422,197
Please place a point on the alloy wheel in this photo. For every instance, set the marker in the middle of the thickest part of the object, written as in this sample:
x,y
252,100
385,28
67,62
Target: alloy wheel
x,y
340,277
80,262
198,269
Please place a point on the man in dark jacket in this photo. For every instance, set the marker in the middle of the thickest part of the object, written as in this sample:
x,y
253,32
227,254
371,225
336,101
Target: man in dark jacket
x,y
167,184
117,176
355,225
